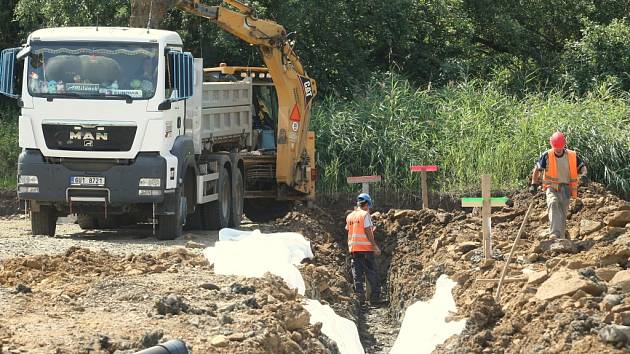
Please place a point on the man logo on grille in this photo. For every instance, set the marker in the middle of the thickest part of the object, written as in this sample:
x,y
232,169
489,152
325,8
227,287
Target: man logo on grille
x,y
88,136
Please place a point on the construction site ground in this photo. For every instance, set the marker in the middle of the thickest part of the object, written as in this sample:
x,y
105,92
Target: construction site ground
x,y
118,291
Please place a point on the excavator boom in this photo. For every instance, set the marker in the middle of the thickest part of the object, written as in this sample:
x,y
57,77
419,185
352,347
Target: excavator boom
x,y
294,164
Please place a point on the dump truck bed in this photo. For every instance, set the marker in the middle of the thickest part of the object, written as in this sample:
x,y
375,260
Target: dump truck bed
x,y
220,113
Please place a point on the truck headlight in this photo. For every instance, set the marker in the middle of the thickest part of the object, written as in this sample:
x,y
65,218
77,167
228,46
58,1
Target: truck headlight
x,y
26,179
150,182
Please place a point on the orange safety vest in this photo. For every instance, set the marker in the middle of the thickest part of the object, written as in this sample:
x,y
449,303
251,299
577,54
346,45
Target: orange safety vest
x,y
550,176
357,238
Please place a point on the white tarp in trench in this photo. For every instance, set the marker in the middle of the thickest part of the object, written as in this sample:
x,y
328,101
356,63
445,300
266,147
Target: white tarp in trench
x,y
252,254
340,329
424,326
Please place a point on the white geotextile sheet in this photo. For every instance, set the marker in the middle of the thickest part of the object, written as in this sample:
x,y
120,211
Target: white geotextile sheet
x,y
256,253
424,325
252,254
341,330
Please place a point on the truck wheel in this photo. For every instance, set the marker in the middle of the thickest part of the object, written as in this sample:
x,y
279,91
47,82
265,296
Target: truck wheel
x,y
218,212
237,200
87,222
44,221
170,226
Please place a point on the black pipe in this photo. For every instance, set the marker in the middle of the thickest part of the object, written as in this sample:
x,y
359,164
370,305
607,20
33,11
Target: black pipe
x,y
173,346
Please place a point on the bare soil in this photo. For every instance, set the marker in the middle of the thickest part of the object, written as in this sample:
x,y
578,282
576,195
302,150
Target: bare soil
x,y
121,291
420,245
118,291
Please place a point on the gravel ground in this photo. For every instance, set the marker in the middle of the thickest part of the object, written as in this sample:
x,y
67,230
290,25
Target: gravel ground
x,y
16,239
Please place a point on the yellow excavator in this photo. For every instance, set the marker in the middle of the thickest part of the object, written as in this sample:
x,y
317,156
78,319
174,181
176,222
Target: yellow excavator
x,y
294,161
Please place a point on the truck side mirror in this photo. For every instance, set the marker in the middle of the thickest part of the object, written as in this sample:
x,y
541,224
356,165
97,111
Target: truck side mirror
x,y
10,73
179,75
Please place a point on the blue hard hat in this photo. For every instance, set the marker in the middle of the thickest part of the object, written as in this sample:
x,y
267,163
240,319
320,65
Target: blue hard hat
x,y
364,197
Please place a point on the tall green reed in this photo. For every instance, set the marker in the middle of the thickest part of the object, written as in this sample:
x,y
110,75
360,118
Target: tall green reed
x,y
467,129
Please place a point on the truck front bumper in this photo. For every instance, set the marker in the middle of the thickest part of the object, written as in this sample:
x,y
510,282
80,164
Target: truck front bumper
x,y
121,184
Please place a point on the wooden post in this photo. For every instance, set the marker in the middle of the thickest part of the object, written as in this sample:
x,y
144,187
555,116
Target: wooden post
x,y
423,181
486,203
486,181
425,193
365,182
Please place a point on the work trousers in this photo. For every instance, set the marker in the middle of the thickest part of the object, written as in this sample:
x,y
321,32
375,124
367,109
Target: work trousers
x,y
364,265
558,208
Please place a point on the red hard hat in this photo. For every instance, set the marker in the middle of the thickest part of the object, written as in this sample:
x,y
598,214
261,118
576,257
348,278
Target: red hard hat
x,y
557,140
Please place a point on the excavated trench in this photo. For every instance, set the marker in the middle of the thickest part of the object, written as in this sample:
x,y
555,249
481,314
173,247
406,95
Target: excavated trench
x,y
396,235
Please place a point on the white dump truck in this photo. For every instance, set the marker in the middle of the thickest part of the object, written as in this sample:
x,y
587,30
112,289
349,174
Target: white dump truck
x,y
120,125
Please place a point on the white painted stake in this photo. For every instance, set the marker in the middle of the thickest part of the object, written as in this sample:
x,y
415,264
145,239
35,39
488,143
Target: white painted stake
x,y
365,182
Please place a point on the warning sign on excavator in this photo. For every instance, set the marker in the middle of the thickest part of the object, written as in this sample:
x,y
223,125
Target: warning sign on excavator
x,y
295,113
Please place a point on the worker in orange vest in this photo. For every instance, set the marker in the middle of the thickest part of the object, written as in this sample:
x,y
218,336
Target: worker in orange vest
x,y
363,248
562,170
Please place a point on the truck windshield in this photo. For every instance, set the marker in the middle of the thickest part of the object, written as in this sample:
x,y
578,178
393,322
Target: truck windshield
x,y
94,70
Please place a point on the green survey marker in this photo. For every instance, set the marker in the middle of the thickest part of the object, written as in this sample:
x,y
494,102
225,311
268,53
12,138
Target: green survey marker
x,y
477,202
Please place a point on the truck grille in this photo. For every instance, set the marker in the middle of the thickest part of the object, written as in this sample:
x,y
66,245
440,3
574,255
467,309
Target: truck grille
x,y
93,138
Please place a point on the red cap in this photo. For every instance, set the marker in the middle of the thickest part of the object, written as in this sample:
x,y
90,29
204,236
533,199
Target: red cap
x,y
557,140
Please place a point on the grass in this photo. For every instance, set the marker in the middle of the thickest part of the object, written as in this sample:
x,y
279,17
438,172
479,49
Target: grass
x,y
467,130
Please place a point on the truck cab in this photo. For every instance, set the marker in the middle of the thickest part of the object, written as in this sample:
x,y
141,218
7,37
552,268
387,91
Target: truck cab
x,y
102,123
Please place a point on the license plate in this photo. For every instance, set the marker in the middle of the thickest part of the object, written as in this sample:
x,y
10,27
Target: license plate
x,y
87,181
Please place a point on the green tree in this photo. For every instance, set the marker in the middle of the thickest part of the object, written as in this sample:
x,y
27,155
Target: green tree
x,y
523,42
8,27
36,14
601,55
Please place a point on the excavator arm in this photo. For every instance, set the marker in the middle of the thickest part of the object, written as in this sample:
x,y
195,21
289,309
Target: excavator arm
x,y
295,90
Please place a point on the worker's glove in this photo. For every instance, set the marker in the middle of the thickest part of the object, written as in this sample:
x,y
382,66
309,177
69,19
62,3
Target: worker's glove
x,y
533,188
583,180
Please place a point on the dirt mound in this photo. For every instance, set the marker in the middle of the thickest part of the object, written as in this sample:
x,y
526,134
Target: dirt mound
x,y
87,301
559,294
